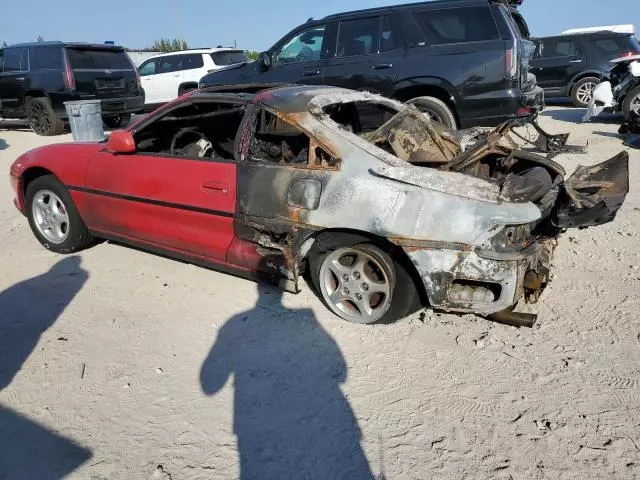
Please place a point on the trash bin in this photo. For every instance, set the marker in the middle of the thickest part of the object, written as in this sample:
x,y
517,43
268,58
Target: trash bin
x,y
85,118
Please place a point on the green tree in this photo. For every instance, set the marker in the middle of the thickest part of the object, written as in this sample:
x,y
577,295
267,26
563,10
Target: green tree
x,y
252,54
39,38
169,45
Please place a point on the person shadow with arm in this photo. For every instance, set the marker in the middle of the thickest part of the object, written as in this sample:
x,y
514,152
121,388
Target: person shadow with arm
x,y
291,419
27,309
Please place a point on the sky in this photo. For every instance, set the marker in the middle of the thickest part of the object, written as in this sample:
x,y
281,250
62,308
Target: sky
x,y
249,24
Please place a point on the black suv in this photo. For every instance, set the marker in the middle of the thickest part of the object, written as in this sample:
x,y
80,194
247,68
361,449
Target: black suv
x,y
37,78
464,62
572,65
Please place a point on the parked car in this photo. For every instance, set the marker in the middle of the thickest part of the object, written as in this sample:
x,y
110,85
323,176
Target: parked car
x,y
37,78
165,77
571,65
464,62
383,209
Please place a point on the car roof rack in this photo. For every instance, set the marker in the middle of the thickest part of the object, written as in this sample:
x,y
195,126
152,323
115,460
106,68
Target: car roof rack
x,y
630,29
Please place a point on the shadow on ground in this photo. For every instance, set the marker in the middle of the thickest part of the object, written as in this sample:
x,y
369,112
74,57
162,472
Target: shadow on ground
x,y
291,418
27,310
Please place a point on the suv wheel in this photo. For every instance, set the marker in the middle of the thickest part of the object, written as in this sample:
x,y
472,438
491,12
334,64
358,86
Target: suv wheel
x,y
631,104
42,119
436,109
582,91
117,121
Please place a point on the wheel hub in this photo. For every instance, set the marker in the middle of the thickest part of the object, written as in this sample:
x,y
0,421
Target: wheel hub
x,y
355,285
50,216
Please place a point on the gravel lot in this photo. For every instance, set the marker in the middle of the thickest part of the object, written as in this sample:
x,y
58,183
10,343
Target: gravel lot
x,y
118,364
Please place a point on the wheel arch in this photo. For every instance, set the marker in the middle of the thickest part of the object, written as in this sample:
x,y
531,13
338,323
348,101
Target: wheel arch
x,y
30,174
580,76
429,87
329,238
186,86
35,93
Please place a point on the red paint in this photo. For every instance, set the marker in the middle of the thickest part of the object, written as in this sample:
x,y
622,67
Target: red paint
x,y
168,180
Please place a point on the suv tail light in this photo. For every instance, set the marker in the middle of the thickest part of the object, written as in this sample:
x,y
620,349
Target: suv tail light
x,y
511,61
69,79
629,54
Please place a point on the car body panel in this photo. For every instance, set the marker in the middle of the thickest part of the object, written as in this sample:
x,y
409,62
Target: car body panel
x,y
261,218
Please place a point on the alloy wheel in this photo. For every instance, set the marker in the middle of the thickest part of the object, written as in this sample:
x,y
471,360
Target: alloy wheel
x,y
355,285
39,120
584,93
50,216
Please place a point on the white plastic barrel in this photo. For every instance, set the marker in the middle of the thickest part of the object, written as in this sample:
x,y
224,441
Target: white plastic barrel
x,y
85,118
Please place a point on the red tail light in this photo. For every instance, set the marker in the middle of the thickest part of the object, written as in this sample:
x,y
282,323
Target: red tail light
x,y
69,79
511,62
524,111
630,54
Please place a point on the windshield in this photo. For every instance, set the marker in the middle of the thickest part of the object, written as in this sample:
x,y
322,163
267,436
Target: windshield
x,y
98,59
229,57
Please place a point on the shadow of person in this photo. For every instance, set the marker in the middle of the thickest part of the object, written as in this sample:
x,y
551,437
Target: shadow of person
x,y
27,310
291,419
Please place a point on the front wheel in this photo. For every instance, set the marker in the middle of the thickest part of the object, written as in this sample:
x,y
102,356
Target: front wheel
x,y
631,104
117,121
53,217
435,109
362,284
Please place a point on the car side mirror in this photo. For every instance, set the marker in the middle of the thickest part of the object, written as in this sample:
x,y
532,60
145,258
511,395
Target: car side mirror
x,y
121,141
264,60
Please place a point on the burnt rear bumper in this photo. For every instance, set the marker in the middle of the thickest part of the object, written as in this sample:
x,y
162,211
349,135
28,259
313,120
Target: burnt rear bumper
x,y
494,108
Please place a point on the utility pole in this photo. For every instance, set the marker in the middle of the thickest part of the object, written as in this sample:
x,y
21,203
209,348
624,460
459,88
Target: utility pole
x,y
178,19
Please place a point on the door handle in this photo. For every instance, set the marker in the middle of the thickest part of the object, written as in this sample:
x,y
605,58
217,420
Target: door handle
x,y
176,76
575,61
382,66
310,73
215,188
19,79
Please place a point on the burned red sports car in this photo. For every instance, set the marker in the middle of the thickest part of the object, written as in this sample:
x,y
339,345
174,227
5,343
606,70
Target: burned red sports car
x,y
382,209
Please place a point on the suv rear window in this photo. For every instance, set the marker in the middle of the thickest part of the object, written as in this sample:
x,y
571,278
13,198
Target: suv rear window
x,y
457,25
617,44
98,59
229,58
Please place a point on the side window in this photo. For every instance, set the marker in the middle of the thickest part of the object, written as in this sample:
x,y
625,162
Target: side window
x,y
608,45
167,64
191,61
302,47
278,141
12,60
147,68
457,25
45,58
554,48
390,35
1,61
358,37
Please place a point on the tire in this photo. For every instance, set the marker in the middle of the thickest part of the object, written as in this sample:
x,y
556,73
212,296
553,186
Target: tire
x,y
117,121
403,297
54,208
437,110
631,102
186,88
581,91
42,119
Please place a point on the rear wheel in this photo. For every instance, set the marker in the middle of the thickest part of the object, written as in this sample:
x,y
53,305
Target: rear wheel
x,y
582,91
42,119
187,88
631,104
363,284
53,217
436,109
117,121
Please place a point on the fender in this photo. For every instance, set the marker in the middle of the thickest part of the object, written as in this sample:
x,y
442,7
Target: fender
x,y
428,81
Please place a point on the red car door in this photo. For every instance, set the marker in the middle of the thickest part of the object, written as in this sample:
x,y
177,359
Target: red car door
x,y
181,205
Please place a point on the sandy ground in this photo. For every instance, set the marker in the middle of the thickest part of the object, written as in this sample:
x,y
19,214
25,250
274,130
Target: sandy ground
x,y
118,364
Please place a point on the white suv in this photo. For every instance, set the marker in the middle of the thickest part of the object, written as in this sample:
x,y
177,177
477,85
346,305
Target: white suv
x,y
165,77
